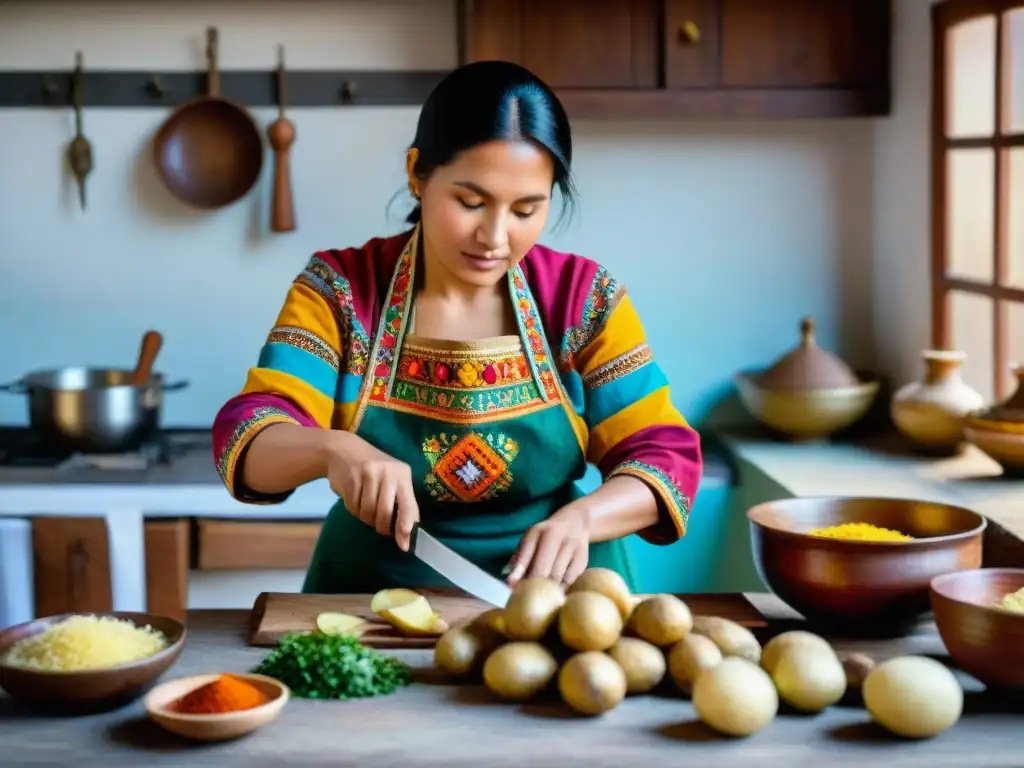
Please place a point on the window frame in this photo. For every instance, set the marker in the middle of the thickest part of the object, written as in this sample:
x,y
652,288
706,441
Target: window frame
x,y
945,16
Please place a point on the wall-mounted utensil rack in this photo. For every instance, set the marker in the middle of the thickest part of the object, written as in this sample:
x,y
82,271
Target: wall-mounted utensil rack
x,y
253,88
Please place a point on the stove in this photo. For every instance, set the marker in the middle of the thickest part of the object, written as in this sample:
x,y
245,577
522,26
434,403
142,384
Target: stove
x,y
23,447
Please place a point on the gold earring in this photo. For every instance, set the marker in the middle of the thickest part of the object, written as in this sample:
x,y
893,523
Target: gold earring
x,y
414,192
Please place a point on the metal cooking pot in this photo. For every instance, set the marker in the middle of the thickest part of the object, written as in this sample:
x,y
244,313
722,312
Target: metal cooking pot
x,y
93,410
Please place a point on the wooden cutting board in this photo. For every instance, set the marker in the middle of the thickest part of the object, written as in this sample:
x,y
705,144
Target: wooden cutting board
x,y
276,614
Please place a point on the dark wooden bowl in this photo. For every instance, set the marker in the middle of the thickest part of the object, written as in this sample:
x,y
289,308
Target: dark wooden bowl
x,y
860,588
91,690
984,641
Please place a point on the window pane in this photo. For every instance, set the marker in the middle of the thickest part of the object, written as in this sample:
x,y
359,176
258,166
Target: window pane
x,y
971,72
1013,23
971,213
973,332
1015,216
1013,321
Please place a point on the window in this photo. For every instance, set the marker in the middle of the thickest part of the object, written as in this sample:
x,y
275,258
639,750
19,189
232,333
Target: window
x,y
978,187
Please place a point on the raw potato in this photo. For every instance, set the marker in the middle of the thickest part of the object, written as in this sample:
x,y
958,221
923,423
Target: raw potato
x,y
809,676
857,666
519,671
589,621
731,638
331,623
913,696
662,620
687,658
735,697
774,648
592,683
415,618
532,608
493,619
463,650
608,583
643,663
387,598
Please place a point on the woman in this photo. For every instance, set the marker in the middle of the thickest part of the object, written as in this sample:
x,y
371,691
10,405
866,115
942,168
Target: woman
x,y
461,375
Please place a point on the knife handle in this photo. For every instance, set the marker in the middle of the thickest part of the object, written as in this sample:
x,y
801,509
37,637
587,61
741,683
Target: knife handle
x,y
412,535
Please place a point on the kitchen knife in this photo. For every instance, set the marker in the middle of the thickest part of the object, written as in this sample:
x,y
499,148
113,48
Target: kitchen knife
x,y
457,569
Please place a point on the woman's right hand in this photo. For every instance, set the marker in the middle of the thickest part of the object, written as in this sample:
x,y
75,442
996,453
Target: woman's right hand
x,y
374,486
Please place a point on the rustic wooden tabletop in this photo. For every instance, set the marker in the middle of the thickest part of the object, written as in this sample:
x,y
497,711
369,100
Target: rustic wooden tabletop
x,y
434,723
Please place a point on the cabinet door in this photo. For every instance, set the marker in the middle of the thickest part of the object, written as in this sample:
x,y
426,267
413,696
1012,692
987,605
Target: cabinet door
x,y
805,43
691,43
167,566
72,565
568,43
229,545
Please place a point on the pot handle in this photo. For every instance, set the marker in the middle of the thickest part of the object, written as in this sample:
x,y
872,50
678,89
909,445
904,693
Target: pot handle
x,y
15,387
175,386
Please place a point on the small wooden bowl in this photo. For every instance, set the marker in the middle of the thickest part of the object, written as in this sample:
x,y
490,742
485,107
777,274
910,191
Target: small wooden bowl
x,y
219,727
90,690
985,641
859,588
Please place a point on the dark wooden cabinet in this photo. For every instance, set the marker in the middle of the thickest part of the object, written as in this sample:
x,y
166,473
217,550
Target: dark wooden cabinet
x,y
693,58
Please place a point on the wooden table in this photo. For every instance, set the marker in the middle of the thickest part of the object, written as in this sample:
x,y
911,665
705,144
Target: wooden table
x,y
434,723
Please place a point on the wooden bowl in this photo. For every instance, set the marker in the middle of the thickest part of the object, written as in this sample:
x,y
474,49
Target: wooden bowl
x,y
861,587
90,690
220,727
805,414
985,641
1001,441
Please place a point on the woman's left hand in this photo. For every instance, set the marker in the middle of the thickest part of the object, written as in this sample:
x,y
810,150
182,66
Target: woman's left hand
x,y
557,548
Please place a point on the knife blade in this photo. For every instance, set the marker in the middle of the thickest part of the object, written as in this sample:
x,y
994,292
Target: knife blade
x,y
458,570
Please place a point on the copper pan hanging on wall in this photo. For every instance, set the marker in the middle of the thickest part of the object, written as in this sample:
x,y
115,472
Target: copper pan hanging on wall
x,y
209,152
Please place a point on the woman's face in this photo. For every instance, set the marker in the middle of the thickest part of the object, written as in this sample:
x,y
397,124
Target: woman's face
x,y
486,209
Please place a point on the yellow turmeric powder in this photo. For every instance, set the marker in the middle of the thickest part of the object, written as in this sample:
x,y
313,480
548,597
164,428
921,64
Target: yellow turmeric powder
x,y
1013,602
860,532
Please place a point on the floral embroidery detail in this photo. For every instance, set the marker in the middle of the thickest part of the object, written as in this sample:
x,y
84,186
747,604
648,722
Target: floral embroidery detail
x,y
473,467
624,364
676,502
246,430
321,277
605,293
392,325
531,329
448,370
307,342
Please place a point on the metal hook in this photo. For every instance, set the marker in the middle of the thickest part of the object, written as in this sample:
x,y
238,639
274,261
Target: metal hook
x,y
49,87
154,88
349,90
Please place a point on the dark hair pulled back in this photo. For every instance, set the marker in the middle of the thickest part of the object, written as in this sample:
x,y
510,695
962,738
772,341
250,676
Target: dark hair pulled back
x,y
487,101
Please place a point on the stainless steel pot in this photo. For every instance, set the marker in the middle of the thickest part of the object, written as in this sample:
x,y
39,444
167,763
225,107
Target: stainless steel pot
x,y
93,410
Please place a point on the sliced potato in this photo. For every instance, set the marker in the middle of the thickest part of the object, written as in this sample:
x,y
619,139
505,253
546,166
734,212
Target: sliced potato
x,y
388,598
331,623
415,618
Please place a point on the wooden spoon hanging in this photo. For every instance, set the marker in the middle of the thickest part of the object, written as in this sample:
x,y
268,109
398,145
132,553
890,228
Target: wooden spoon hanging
x,y
79,150
281,133
151,343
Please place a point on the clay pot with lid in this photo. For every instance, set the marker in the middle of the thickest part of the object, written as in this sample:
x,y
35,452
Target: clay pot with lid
x,y
809,393
931,411
999,431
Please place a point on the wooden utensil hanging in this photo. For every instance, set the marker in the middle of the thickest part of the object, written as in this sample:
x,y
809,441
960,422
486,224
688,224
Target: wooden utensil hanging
x,y
79,150
152,341
281,133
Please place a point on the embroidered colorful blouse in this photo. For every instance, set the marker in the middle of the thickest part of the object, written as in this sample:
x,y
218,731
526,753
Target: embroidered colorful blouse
x,y
340,347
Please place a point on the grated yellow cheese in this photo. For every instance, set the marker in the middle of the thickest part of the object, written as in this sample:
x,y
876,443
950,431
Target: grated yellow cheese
x,y
85,642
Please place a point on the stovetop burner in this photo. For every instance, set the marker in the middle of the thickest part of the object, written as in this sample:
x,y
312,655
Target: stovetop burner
x,y
23,447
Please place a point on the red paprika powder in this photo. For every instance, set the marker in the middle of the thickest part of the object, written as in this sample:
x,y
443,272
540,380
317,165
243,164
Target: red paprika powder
x,y
225,694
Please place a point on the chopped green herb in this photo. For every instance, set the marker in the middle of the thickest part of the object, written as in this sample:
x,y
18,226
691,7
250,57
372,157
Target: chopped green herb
x,y
319,666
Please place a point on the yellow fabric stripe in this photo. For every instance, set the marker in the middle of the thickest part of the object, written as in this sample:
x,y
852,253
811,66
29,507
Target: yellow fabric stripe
x,y
305,308
653,410
622,331
267,382
345,413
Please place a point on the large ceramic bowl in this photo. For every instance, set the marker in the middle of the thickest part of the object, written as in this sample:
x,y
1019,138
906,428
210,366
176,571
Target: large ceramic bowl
x,y
985,641
90,690
861,587
805,414
1002,441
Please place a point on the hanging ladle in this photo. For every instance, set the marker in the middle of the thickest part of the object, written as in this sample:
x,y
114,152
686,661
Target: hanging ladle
x,y
79,150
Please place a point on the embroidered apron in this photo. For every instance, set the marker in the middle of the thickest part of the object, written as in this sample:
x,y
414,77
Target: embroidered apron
x,y
485,428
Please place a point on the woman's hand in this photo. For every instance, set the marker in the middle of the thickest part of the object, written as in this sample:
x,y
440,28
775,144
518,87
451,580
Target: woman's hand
x,y
556,549
374,487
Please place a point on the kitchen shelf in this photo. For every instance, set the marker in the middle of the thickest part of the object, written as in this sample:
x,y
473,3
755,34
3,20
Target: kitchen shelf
x,y
252,88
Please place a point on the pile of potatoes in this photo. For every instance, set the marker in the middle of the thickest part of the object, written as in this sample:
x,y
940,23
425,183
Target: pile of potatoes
x,y
597,643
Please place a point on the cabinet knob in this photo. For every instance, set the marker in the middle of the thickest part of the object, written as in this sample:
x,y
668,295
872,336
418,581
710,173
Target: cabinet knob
x,y
689,32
